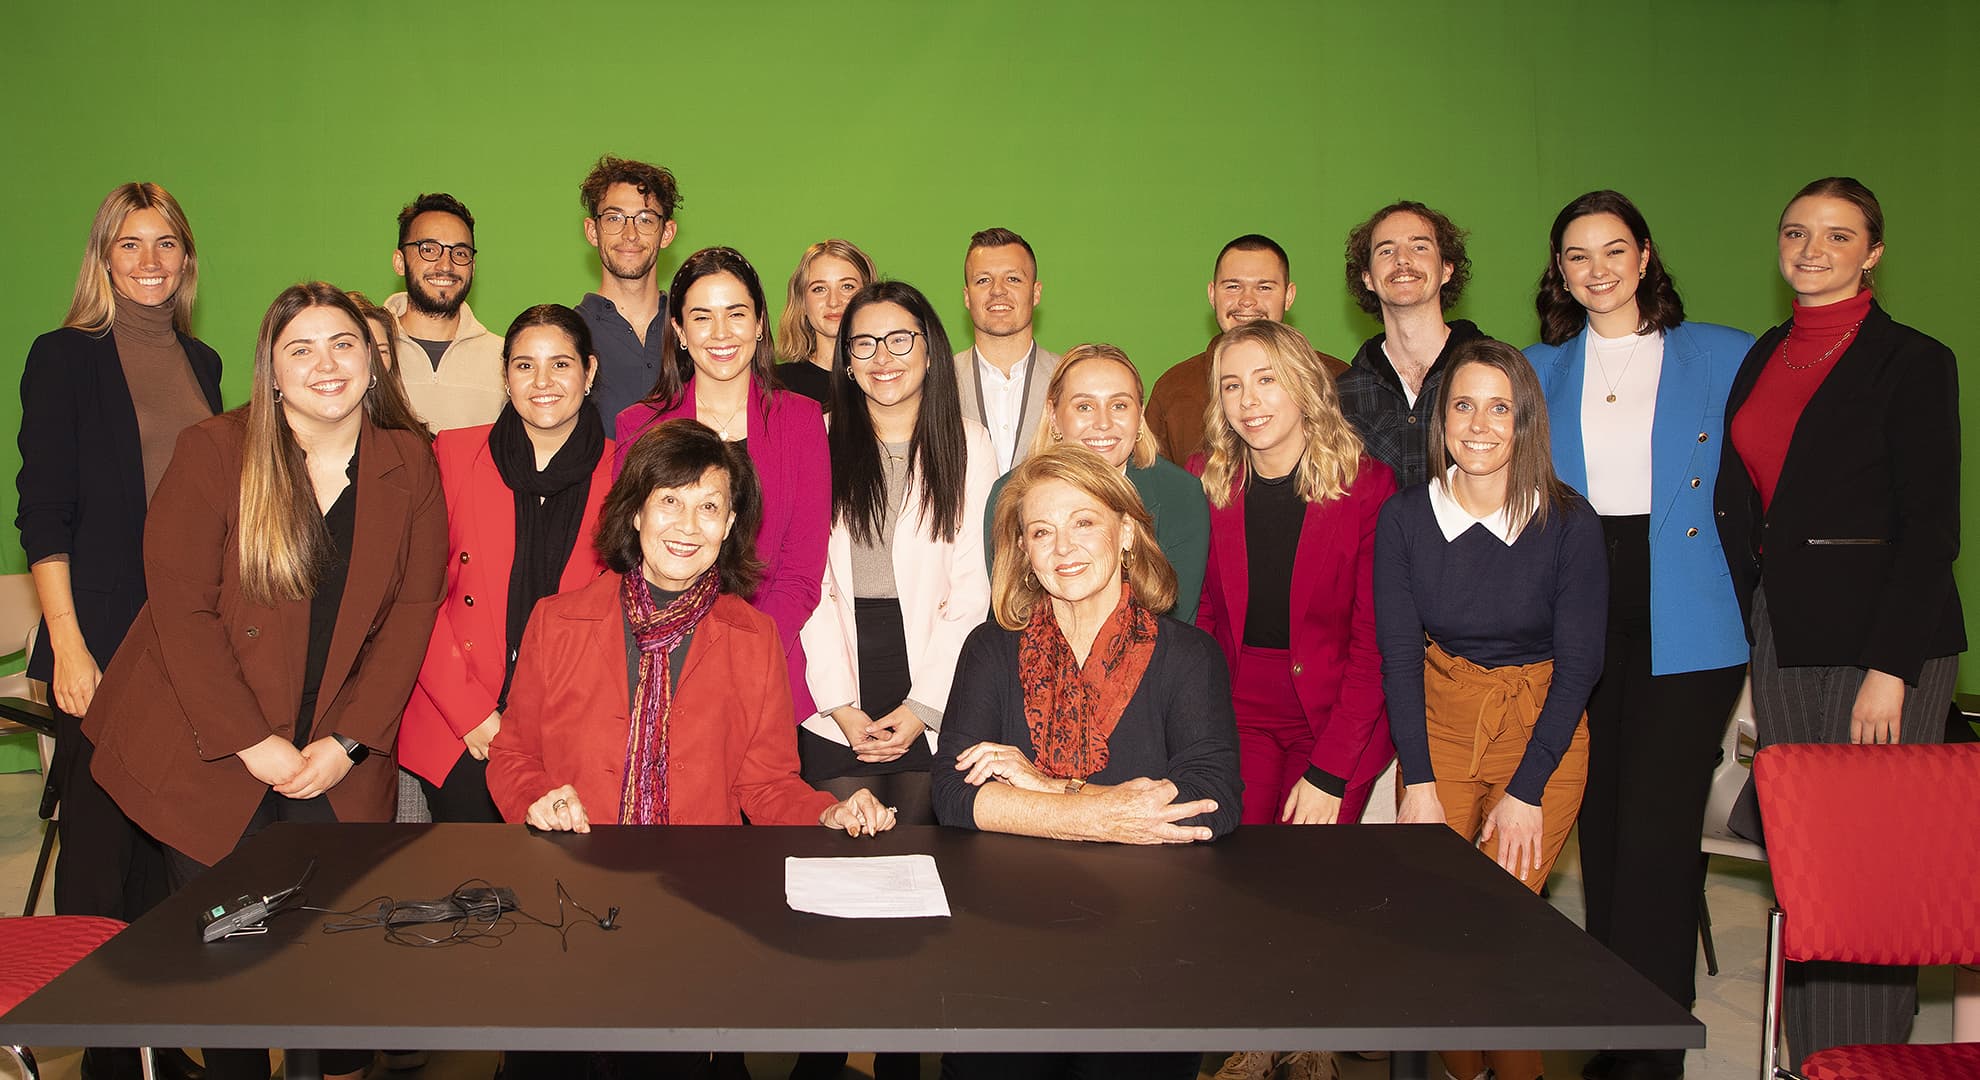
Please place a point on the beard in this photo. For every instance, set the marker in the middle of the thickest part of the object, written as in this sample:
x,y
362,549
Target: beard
x,y
424,302
626,270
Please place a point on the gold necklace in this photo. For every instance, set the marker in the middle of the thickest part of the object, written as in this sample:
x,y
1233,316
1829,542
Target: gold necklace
x,y
1792,366
721,429
1604,366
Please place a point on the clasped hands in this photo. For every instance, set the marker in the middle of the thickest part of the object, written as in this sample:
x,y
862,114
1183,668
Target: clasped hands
x,y
297,774
560,810
1138,811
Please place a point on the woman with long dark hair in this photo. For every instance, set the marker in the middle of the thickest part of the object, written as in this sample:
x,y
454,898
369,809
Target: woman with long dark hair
x,y
1490,597
905,581
717,358
1839,510
293,558
1631,386
523,496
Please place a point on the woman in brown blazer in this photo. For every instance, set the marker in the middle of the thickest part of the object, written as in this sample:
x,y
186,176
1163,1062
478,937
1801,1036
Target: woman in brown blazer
x,y
293,557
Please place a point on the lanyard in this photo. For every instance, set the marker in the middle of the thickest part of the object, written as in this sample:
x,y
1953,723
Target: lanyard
x,y
1024,402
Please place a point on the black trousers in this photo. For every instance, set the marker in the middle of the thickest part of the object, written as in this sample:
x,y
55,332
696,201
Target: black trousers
x,y
183,870
464,797
107,865
1653,741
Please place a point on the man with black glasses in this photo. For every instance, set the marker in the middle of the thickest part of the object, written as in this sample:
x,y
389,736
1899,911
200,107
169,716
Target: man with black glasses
x,y
629,217
450,364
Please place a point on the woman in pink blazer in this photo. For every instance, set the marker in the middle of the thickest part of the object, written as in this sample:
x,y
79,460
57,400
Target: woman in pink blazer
x,y
522,507
1289,590
723,354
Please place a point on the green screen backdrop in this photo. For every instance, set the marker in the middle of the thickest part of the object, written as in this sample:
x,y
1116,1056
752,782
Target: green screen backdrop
x,y
1126,141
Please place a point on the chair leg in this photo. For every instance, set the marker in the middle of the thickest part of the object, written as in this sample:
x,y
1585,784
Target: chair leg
x,y
40,865
1705,928
25,1057
147,1067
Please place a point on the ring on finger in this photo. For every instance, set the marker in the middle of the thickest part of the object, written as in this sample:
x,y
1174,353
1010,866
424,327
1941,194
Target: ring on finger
x,y
560,804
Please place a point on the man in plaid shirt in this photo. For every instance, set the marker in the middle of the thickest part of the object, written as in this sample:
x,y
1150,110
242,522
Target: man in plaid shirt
x,y
1407,264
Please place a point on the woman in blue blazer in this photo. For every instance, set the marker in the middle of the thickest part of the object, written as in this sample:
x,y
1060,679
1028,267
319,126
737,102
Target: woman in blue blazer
x,y
1636,400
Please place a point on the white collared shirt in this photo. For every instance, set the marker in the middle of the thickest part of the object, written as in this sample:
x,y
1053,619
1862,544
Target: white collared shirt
x,y
1003,404
1454,520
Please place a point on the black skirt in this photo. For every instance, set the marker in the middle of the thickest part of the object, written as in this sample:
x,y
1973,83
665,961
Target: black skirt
x,y
884,682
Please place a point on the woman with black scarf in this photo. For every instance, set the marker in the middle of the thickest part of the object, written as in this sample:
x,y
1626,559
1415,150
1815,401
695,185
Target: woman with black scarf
x,y
523,496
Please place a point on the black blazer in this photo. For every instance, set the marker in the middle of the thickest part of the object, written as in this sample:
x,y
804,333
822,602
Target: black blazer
x,y
82,479
1857,548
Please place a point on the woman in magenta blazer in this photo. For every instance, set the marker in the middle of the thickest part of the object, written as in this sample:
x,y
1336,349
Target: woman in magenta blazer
x,y
719,339
1289,590
522,506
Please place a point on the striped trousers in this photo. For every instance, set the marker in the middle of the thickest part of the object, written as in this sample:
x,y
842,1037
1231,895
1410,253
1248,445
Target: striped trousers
x,y
1832,1004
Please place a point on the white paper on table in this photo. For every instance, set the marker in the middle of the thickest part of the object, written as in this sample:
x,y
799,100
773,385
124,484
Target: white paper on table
x,y
881,887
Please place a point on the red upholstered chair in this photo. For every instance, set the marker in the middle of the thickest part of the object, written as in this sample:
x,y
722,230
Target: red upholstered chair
x,y
1867,870
35,949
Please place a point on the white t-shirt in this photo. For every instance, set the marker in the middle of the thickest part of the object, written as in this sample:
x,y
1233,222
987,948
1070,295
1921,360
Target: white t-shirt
x,y
1615,434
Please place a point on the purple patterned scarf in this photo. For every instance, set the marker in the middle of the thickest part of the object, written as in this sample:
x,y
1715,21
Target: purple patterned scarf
x,y
656,631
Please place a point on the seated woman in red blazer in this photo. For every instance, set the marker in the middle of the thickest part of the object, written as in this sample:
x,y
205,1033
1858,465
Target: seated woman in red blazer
x,y
1289,590
656,695
522,504
293,559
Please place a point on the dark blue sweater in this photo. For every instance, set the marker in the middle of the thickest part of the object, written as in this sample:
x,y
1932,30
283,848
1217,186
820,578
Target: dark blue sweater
x,y
1543,597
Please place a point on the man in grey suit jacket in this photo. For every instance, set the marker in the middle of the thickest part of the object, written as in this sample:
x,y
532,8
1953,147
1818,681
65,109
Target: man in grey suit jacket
x,y
1003,375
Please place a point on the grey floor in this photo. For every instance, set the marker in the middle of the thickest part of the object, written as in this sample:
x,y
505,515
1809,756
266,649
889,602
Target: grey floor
x,y
1729,1004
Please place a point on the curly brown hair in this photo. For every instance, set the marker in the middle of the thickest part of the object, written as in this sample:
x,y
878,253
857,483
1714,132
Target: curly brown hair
x,y
646,178
1450,248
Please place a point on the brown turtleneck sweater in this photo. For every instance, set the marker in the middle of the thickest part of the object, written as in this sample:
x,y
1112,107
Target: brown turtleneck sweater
x,y
163,389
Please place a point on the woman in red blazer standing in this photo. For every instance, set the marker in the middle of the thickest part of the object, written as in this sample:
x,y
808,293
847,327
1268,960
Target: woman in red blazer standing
x,y
1288,592
522,504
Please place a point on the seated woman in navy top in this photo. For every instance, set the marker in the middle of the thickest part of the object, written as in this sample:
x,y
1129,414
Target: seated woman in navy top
x,y
1491,594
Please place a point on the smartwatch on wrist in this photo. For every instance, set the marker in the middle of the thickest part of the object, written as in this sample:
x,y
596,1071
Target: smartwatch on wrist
x,y
357,750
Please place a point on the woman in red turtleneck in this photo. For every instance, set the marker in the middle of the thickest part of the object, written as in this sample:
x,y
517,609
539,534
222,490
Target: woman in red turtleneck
x,y
1839,514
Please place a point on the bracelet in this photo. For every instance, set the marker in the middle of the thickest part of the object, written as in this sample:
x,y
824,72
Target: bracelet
x,y
1074,785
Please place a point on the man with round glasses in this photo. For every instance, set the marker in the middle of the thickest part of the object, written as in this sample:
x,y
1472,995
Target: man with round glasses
x,y
450,363
629,218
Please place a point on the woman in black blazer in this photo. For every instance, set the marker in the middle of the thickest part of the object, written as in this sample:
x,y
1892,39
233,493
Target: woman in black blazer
x,y
103,400
1839,514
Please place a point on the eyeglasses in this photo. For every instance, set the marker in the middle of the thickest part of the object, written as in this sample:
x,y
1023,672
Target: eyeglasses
x,y
899,343
646,220
431,250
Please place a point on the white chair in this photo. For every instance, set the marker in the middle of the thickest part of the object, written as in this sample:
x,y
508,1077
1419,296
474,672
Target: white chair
x,y
1728,780
24,705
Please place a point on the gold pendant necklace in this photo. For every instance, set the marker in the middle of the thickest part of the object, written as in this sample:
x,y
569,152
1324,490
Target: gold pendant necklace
x,y
1624,374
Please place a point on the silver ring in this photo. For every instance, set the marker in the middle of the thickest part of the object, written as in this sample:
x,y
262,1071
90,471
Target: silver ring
x,y
560,804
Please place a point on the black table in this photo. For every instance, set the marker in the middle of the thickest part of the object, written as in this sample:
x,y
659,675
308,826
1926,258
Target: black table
x,y
1369,937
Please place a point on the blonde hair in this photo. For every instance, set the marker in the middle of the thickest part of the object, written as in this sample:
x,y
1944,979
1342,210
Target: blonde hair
x,y
1014,590
1333,451
94,305
1144,439
283,541
794,327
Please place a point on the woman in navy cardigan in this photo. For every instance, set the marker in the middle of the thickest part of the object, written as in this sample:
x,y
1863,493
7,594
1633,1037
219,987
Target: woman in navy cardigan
x,y
103,400
1636,402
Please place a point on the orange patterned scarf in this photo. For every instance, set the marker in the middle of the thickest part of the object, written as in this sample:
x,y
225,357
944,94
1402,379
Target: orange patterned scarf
x,y
1071,710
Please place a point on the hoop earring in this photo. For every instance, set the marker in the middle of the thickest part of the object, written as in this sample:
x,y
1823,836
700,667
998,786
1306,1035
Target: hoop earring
x,y
278,395
374,383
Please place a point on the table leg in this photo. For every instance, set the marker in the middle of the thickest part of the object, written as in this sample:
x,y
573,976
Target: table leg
x,y
1409,1065
301,1065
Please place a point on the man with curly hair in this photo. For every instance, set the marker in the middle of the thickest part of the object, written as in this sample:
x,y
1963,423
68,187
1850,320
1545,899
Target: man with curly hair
x,y
629,217
1407,264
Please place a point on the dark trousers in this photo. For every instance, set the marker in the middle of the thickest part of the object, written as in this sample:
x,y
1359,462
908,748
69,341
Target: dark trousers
x,y
107,865
464,797
1170,1066
1653,741
1831,1004
183,870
